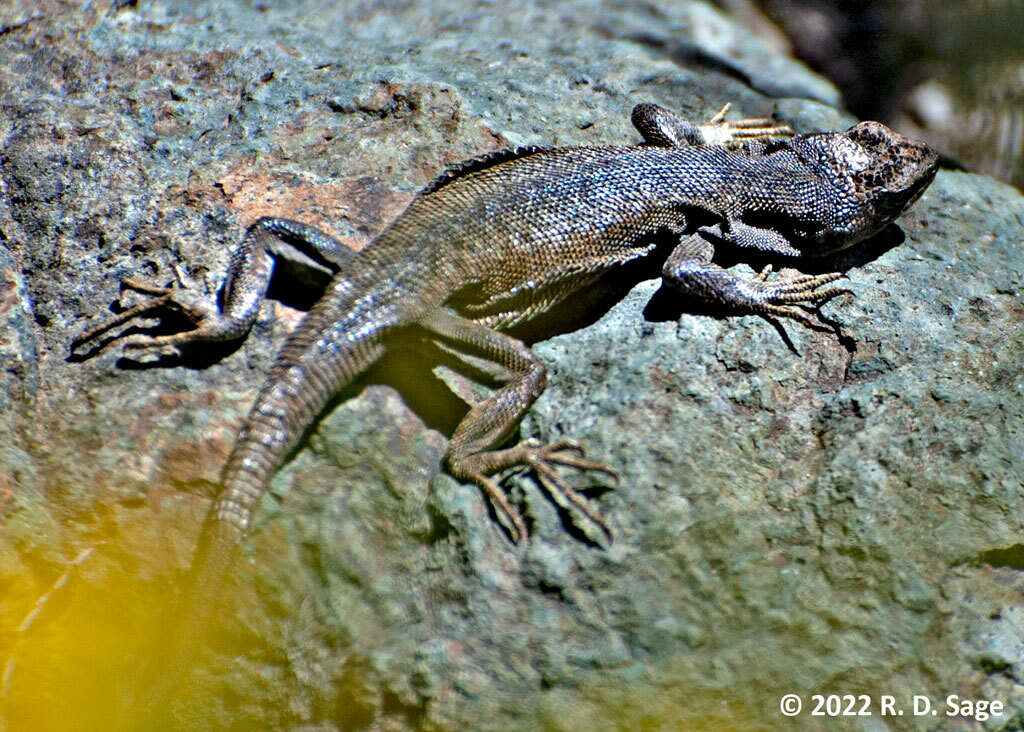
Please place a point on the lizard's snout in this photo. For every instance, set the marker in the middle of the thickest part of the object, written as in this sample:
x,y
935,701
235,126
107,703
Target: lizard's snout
x,y
899,160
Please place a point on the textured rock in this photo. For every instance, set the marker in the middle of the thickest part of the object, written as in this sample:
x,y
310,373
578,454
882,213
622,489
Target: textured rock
x,y
799,511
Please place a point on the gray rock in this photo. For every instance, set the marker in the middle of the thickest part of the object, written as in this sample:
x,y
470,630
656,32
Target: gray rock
x,y
798,511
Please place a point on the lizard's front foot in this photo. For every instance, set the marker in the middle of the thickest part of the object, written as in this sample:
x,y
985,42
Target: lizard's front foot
x,y
784,296
481,467
201,311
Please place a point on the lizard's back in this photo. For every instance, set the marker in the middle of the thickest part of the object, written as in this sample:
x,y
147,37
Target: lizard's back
x,y
525,232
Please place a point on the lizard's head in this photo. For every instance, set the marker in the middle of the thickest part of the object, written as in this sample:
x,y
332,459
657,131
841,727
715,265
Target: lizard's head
x,y
879,173
893,170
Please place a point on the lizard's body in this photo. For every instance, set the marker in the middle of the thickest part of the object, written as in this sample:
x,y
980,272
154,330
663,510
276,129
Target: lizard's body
x,y
502,238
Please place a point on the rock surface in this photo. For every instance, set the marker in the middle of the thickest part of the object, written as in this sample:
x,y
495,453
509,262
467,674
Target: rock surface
x,y
798,511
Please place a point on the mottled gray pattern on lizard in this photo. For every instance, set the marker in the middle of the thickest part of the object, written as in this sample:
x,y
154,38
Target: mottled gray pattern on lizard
x,y
504,237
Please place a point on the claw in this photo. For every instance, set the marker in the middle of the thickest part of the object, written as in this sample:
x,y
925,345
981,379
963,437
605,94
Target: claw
x,y
555,484
762,276
779,298
129,284
209,322
718,131
551,455
541,460
499,499
120,319
563,446
719,116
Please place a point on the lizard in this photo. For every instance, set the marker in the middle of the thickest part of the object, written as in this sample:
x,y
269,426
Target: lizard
x,y
502,238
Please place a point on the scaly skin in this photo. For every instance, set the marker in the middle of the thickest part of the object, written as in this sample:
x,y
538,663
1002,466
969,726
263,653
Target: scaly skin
x,y
499,239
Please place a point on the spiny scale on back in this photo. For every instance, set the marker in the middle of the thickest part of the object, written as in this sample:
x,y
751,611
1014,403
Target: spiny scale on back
x,y
487,160
504,236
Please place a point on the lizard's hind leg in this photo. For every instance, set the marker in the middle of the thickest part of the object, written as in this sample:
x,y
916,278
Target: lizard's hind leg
x,y
472,455
249,272
661,127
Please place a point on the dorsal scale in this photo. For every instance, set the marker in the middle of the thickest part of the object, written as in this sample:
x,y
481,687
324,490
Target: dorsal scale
x,y
481,162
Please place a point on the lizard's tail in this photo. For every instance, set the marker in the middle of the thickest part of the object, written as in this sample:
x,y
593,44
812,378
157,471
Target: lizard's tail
x,y
326,352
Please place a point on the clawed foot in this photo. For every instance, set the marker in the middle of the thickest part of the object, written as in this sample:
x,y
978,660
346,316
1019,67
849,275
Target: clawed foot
x,y
542,460
786,296
718,131
201,311
663,128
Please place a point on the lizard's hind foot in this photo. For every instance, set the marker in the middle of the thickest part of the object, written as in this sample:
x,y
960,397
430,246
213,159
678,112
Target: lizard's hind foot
x,y
541,460
570,454
719,131
664,128
210,324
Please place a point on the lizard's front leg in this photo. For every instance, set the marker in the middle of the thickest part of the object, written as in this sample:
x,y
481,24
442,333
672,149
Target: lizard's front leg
x,y
471,453
249,273
689,270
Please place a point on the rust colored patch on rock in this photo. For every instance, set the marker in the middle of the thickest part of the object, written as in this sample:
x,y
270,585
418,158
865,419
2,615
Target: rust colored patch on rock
x,y
199,462
366,203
